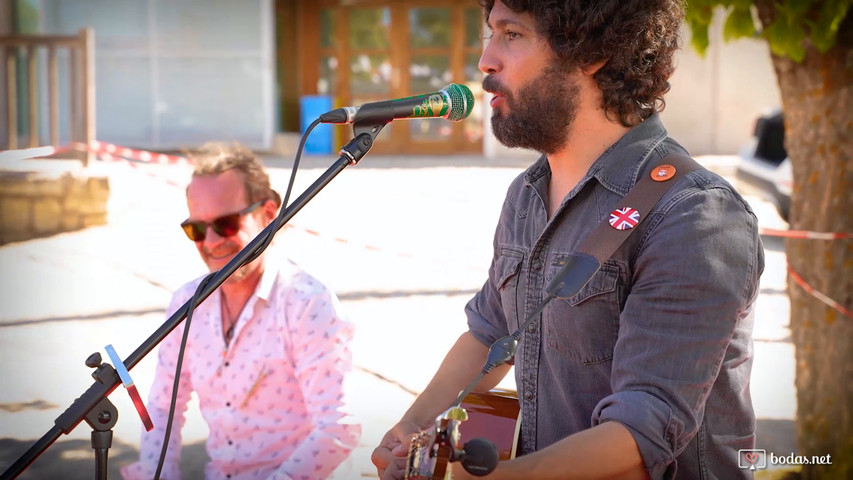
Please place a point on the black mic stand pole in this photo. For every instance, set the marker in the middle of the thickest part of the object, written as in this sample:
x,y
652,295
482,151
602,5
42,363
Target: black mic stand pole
x,y
94,406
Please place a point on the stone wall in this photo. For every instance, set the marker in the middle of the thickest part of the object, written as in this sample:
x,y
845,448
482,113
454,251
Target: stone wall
x,y
44,198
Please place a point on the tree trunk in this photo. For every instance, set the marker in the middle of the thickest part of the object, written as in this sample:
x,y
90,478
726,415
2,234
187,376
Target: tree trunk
x,y
817,100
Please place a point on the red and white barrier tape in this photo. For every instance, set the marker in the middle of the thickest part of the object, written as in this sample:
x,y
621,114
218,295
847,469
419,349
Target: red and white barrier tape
x,y
820,296
105,151
140,155
110,152
25,153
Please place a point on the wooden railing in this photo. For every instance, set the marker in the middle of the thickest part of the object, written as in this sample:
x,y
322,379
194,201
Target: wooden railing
x,y
81,78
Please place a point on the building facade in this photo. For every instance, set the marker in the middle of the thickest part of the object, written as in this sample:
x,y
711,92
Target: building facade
x,y
172,74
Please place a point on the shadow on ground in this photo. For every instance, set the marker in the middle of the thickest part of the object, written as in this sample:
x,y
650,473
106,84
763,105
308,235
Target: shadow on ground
x,y
75,460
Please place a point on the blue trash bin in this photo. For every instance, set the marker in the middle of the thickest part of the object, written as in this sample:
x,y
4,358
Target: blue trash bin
x,y
311,107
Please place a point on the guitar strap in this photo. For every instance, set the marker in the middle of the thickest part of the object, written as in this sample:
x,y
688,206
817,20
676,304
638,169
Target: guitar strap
x,y
636,206
579,267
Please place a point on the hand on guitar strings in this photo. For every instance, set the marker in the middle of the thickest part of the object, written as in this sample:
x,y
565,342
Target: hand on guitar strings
x,y
390,456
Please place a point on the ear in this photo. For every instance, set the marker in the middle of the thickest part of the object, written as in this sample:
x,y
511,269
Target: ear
x,y
591,70
270,210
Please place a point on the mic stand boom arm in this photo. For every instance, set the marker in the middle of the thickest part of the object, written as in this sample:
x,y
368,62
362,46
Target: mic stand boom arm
x,y
91,399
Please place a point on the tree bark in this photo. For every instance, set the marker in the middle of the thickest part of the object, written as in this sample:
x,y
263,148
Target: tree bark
x,y
817,100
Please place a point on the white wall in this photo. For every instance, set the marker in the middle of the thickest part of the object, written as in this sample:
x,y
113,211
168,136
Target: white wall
x,y
176,74
714,100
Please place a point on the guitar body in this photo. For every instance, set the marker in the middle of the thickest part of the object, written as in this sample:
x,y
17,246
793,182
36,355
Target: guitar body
x,y
493,416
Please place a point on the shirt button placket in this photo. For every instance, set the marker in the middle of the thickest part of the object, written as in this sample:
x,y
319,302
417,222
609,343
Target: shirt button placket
x,y
528,419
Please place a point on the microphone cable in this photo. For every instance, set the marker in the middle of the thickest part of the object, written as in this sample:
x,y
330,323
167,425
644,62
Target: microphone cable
x,y
278,221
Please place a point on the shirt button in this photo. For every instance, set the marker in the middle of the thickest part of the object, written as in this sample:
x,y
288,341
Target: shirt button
x,y
528,394
531,328
536,265
227,364
230,442
227,404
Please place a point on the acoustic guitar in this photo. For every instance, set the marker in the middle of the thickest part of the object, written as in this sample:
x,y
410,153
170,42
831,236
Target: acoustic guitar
x,y
493,416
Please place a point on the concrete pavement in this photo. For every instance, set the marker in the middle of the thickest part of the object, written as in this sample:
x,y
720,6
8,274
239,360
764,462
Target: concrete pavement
x,y
404,242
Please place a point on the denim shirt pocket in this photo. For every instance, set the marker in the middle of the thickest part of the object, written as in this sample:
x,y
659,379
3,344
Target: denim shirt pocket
x,y
507,269
585,327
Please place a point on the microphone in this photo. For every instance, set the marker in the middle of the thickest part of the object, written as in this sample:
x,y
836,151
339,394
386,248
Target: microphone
x,y
454,102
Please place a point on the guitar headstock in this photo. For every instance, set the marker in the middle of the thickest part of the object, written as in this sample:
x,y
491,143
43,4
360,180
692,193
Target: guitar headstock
x,y
492,424
431,450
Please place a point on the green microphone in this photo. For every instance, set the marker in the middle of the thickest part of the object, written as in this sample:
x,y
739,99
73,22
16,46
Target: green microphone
x,y
454,102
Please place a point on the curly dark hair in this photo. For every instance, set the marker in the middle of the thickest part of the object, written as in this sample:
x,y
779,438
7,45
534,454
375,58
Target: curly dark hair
x,y
636,39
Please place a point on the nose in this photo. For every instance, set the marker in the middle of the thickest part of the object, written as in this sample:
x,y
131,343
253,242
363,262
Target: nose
x,y
489,62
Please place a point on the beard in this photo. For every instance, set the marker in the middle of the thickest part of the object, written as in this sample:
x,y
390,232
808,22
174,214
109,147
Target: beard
x,y
240,273
540,114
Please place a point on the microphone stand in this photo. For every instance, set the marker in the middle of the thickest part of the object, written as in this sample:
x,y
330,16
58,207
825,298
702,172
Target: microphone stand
x,y
94,406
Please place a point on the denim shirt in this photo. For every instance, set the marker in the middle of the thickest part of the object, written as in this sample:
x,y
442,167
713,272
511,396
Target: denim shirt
x,y
659,339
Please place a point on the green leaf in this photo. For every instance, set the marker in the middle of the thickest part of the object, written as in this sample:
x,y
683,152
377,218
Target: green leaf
x,y
739,24
796,49
699,38
786,37
777,34
793,8
700,13
698,16
828,22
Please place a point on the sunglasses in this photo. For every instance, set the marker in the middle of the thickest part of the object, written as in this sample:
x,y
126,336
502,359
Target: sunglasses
x,y
224,226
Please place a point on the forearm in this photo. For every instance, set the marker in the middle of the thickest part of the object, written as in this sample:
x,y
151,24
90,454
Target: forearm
x,y
606,451
460,366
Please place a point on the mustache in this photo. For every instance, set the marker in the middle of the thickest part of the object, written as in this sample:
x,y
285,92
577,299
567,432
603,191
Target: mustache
x,y
491,84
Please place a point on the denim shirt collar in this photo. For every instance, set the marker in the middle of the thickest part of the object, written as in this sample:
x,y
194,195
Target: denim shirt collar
x,y
618,168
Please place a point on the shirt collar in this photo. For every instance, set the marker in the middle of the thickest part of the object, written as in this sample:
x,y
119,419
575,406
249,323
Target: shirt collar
x,y
618,168
272,266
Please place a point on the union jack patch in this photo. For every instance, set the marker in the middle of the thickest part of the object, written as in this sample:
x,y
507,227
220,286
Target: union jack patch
x,y
624,218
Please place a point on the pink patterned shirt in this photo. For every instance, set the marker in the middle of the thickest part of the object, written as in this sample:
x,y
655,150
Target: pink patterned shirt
x,y
272,398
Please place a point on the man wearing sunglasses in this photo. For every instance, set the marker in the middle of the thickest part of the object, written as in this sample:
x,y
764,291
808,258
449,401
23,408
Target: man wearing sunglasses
x,y
267,352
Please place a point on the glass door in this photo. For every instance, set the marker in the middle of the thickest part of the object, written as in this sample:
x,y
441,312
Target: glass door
x,y
444,46
379,50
